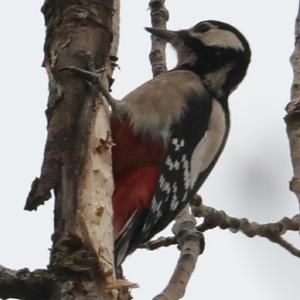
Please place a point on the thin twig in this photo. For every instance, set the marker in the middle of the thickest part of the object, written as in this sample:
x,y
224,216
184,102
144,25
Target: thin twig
x,y
272,231
160,242
217,218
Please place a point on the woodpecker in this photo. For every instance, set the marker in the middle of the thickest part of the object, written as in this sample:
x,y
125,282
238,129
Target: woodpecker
x,y
171,130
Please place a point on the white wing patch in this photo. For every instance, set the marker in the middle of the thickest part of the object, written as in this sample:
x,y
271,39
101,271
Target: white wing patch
x,y
172,164
187,174
174,202
177,143
209,145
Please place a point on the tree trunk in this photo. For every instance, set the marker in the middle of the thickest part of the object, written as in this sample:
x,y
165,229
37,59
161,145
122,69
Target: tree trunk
x,y
77,158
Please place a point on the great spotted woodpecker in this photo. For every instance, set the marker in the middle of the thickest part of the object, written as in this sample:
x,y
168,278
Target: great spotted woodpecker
x,y
170,131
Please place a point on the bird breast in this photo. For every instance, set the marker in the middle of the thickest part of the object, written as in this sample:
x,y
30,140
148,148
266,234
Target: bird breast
x,y
156,105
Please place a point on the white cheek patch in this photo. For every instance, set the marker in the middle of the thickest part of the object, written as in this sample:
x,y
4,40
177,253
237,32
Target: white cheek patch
x,y
210,144
216,80
221,38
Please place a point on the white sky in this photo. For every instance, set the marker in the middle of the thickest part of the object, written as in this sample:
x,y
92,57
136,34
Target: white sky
x,y
250,180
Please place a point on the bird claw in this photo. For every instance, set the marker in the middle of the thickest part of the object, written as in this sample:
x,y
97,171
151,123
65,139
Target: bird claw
x,y
94,80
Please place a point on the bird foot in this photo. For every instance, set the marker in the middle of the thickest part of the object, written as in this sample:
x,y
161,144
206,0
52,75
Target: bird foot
x,y
93,77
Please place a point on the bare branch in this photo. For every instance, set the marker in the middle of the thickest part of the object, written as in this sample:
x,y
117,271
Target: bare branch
x,y
214,218
23,284
191,244
160,242
272,231
159,18
293,112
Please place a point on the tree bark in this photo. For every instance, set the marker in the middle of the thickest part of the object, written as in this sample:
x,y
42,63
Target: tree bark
x,y
293,113
77,158
159,18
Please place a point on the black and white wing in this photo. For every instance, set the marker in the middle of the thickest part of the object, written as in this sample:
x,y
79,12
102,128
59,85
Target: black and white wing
x,y
194,146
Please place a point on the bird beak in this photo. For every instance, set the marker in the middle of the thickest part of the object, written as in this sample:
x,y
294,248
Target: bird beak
x,y
166,35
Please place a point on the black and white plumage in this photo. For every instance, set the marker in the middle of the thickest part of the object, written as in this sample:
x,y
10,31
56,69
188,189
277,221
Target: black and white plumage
x,y
183,117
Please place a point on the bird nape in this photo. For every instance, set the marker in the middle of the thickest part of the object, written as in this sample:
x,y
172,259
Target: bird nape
x,y
170,131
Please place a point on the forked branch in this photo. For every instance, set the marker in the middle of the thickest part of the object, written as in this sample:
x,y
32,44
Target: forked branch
x,y
213,218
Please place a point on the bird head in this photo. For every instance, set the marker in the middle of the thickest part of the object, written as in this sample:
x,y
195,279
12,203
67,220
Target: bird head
x,y
216,51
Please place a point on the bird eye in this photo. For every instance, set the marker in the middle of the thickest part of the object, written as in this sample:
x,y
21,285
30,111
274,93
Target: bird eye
x,y
202,27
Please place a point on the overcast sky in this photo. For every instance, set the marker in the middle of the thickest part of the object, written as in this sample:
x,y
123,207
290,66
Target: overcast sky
x,y
250,180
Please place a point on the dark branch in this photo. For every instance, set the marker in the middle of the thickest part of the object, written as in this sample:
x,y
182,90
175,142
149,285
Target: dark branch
x,y
23,284
39,193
